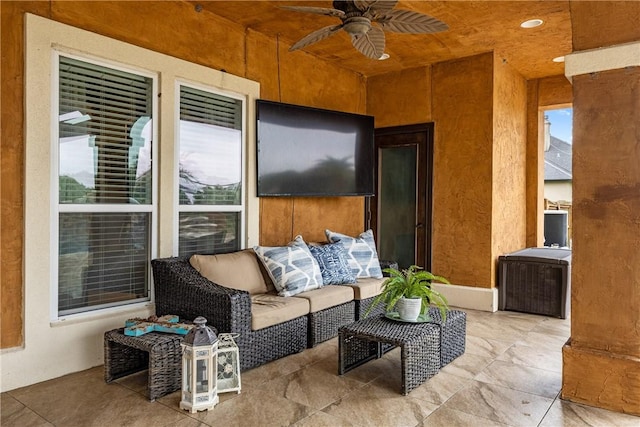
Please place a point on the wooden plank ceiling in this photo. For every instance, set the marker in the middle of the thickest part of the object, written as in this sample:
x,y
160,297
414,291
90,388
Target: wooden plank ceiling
x,y
474,27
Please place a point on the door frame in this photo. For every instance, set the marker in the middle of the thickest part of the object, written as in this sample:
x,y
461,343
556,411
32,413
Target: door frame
x,y
424,190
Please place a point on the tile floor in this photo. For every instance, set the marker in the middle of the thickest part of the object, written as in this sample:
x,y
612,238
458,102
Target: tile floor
x,y
510,375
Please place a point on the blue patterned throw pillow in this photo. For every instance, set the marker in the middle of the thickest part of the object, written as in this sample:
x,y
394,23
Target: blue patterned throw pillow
x,y
292,268
334,266
361,253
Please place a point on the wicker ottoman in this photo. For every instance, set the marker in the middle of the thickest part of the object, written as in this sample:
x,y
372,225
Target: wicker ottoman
x,y
362,341
156,351
452,333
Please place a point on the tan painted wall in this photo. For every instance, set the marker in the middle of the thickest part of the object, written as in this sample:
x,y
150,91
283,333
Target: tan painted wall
x,y
606,206
509,162
479,110
605,293
398,99
462,202
590,21
199,37
299,78
12,157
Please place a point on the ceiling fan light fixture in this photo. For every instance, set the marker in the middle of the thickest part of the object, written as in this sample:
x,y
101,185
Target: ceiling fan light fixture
x,y
558,59
357,25
357,17
532,23
384,56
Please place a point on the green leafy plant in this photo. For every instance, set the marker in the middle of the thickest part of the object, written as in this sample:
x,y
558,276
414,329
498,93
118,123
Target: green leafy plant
x,y
413,282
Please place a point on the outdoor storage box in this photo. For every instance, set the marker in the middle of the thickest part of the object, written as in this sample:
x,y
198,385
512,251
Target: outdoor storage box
x,y
536,280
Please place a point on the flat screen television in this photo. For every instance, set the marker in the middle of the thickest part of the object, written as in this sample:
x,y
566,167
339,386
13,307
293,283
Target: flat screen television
x,y
305,151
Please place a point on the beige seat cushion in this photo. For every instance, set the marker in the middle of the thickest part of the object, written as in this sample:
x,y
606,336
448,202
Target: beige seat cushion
x,y
327,296
367,287
270,309
237,270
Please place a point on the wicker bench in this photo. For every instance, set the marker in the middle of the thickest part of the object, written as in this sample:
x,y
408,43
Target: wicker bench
x,y
158,352
363,340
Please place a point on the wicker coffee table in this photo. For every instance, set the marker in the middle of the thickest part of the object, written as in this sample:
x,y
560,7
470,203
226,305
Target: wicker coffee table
x,y
365,340
156,351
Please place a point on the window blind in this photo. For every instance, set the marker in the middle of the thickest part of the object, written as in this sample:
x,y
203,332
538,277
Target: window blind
x,y
210,108
210,172
104,159
112,102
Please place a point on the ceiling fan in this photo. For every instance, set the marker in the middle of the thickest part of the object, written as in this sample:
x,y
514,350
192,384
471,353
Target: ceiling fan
x,y
357,17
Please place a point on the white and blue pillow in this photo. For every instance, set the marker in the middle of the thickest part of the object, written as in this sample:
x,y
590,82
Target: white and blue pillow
x,y
361,253
334,266
292,268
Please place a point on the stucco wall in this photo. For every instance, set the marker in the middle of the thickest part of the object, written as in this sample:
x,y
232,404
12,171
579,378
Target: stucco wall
x,y
299,78
198,37
463,150
605,291
398,99
210,41
509,162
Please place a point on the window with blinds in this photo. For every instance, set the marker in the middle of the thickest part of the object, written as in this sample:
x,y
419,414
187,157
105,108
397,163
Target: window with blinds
x,y
105,186
210,169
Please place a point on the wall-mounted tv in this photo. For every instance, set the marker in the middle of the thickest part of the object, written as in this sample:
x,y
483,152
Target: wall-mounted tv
x,y
305,151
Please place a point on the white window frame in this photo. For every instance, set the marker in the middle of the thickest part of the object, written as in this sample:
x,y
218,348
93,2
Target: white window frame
x,y
42,37
57,208
242,207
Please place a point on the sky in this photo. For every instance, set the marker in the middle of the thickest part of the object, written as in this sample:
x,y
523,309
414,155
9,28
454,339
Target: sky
x,y
561,123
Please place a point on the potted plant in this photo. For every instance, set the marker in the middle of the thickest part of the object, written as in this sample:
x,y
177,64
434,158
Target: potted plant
x,y
410,292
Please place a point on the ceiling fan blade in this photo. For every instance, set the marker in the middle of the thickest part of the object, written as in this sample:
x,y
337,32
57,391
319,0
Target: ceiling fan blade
x,y
316,36
370,44
379,6
316,10
407,21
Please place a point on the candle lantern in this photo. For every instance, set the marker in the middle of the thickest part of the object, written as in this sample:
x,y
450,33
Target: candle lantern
x,y
199,363
228,364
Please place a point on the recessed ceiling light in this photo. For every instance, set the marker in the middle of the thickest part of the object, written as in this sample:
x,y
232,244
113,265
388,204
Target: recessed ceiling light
x,y
532,23
558,59
383,57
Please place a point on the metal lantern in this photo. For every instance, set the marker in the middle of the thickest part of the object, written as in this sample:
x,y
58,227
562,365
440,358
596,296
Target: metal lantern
x,y
199,363
228,364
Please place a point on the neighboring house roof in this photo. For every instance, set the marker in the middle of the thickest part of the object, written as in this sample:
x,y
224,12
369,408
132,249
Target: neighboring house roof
x,y
557,161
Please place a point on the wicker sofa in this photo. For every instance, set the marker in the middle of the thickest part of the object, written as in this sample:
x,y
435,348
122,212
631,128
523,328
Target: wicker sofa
x,y
268,326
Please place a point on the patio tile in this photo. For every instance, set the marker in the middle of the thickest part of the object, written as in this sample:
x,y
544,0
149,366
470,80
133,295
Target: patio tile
x,y
84,399
523,378
378,404
500,404
14,413
439,388
548,341
255,409
509,375
536,357
312,387
444,417
486,347
467,365
322,419
569,414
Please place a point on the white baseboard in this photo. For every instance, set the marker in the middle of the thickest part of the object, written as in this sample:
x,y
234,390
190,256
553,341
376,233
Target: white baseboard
x,y
483,299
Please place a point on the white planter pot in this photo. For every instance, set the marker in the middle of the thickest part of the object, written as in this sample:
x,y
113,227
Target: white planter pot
x,y
409,308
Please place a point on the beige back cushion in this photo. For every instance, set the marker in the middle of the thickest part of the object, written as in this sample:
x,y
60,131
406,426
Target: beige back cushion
x,y
237,270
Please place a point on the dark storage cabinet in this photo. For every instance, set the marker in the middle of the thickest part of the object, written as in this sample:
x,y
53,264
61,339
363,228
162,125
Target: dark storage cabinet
x,y
536,280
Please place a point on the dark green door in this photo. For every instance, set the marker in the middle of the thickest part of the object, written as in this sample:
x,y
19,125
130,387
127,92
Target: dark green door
x,y
401,210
